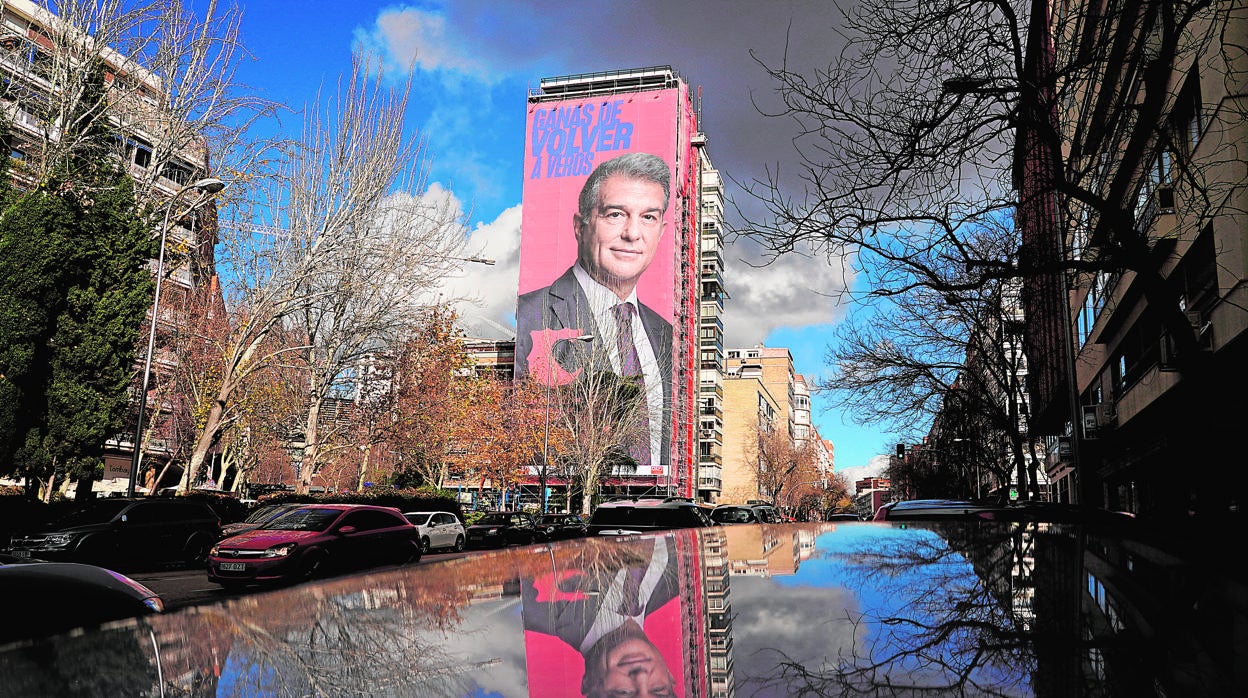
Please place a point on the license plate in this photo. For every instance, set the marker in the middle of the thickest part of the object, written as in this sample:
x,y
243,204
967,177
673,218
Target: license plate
x,y
21,553
233,566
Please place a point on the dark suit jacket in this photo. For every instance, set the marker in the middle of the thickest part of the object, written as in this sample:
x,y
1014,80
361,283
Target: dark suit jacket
x,y
563,305
571,601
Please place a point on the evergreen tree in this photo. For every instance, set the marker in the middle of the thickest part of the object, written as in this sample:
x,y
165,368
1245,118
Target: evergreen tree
x,y
74,288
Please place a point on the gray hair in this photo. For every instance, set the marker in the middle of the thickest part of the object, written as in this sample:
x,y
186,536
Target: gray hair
x,y
643,166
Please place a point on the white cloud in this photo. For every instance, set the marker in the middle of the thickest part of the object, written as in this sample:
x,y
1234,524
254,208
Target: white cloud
x,y
793,291
490,291
874,468
411,36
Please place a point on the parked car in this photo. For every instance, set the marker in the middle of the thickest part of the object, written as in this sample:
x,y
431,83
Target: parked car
x,y
562,526
1009,608
438,529
60,596
120,532
502,528
314,540
257,518
767,511
734,514
931,509
641,515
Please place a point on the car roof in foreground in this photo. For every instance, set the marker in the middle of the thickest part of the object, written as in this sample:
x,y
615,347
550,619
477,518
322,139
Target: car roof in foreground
x,y
1019,608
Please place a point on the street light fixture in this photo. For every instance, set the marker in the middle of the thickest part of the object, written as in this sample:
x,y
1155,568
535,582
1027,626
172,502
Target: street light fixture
x,y
206,188
550,378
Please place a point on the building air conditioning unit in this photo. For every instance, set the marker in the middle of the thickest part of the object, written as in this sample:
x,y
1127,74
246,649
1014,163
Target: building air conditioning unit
x,y
1097,419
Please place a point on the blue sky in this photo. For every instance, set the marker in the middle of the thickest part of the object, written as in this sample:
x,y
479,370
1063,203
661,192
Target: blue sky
x,y
475,62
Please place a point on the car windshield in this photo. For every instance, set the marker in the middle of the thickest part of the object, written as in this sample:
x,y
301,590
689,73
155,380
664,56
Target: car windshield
x,y
642,516
732,515
304,520
102,512
418,519
554,519
263,514
493,520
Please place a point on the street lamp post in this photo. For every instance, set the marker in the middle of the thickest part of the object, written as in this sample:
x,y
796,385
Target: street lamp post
x,y
206,187
550,378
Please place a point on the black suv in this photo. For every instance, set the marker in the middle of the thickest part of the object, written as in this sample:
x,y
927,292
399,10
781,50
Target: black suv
x,y
502,528
561,526
120,532
627,516
739,514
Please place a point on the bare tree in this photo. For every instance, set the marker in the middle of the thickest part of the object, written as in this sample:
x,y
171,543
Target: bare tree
x,y
349,245
171,96
784,467
601,412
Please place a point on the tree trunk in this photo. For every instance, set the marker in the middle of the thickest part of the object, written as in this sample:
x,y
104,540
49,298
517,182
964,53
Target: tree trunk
x,y
311,447
359,485
208,436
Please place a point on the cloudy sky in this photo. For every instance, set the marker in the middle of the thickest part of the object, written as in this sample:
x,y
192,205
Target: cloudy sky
x,y
476,61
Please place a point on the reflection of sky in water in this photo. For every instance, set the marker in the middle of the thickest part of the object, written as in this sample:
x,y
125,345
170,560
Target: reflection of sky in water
x,y
868,609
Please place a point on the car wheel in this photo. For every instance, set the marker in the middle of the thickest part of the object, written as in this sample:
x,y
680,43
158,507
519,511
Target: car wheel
x,y
312,567
197,551
94,551
424,544
412,553
459,544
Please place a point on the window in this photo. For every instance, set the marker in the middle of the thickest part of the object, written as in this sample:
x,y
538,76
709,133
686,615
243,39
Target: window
x,y
141,154
178,172
370,520
1188,119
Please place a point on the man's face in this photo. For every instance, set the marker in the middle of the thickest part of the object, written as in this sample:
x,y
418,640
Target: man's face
x,y
635,668
617,242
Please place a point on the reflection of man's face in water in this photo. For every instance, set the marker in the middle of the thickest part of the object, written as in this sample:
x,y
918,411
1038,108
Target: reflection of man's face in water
x,y
635,668
631,666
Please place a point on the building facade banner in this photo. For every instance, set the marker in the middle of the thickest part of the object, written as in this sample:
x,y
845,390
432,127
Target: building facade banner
x,y
590,243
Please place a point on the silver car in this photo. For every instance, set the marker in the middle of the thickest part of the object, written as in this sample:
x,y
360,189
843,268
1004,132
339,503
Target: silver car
x,y
438,529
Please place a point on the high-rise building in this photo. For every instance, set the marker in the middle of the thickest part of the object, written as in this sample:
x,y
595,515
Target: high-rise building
x,y
761,390
710,413
572,285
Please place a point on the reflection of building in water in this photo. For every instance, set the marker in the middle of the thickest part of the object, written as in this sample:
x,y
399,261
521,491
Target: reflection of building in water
x,y
718,614
761,551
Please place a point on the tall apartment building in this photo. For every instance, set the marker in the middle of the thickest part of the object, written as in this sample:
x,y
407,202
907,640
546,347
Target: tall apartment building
x,y
38,53
575,123
748,405
761,387
710,410
1138,372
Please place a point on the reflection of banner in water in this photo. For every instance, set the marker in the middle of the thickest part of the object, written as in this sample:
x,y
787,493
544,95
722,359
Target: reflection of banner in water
x,y
572,614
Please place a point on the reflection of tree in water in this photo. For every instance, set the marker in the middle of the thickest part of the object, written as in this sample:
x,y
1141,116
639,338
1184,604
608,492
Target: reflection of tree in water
x,y
364,635
938,622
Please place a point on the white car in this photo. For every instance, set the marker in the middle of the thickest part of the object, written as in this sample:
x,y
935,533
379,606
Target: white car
x,y
438,529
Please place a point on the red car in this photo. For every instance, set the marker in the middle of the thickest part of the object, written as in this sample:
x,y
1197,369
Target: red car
x,y
314,540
